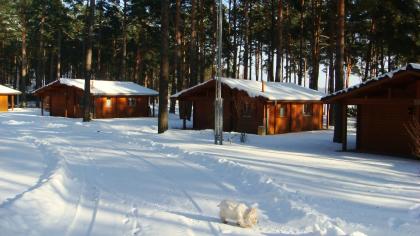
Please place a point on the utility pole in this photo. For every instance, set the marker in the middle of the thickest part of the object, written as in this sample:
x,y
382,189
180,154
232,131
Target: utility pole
x,y
218,103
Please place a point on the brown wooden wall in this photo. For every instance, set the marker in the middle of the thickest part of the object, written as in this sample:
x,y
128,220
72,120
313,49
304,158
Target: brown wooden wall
x,y
242,113
294,119
120,108
383,112
67,102
4,104
381,128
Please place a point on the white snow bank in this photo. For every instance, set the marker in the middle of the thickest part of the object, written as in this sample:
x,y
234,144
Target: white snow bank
x,y
15,122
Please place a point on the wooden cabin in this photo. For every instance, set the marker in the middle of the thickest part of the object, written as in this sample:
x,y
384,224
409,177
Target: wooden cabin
x,y
387,106
250,106
7,97
110,99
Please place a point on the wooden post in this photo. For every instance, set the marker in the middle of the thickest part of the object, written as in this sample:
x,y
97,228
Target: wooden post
x,y
328,116
358,127
153,104
275,116
184,121
66,102
344,128
13,102
42,106
265,117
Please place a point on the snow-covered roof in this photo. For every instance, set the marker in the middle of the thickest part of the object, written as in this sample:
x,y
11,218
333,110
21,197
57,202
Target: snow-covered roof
x,y
272,90
8,91
389,75
106,87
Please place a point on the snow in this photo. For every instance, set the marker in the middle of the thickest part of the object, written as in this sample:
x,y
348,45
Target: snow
x,y
106,87
415,66
389,75
60,176
272,90
8,91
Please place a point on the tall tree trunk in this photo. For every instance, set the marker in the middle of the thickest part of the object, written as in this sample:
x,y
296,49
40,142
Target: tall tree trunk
x,y
279,61
246,40
193,45
138,64
316,12
300,75
235,40
164,69
87,104
214,37
178,39
288,39
382,57
370,64
124,43
257,60
202,37
51,74
229,43
178,77
24,70
339,70
40,73
58,67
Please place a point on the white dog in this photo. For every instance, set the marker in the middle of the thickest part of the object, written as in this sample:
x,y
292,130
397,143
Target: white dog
x,y
245,216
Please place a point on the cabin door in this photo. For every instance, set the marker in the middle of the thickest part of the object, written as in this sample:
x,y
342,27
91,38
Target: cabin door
x,y
58,105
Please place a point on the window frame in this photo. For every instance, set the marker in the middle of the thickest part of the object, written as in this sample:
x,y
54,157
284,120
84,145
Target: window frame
x,y
284,108
108,102
307,109
247,110
131,101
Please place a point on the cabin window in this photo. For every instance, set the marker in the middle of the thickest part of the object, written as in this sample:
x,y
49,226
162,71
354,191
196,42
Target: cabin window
x,y
283,110
108,102
307,109
131,102
247,110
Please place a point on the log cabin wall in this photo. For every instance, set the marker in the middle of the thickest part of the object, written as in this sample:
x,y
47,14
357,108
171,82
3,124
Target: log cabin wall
x,y
248,113
121,106
67,101
242,113
381,128
4,104
292,118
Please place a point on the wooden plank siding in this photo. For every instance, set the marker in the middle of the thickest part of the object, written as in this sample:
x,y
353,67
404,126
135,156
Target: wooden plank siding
x,y
67,101
4,103
381,128
242,113
120,107
384,108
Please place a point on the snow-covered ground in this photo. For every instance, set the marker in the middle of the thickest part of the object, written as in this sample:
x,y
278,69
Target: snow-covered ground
x,y
60,176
